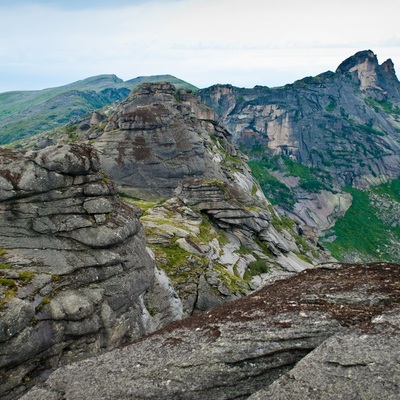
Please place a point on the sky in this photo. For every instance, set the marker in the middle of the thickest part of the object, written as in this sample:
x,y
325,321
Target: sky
x,y
245,43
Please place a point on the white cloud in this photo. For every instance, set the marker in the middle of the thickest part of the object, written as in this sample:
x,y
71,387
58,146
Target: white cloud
x,y
202,41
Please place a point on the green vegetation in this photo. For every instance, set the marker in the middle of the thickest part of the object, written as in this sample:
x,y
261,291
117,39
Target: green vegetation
x,y
362,231
257,267
10,283
282,222
26,276
331,106
144,205
174,260
311,179
383,105
391,189
233,282
276,191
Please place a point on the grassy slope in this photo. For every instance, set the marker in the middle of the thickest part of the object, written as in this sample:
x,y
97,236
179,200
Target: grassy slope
x,y
369,231
25,113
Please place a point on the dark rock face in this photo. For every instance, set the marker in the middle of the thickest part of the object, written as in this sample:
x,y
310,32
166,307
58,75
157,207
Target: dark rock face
x,y
151,143
345,123
345,317
73,263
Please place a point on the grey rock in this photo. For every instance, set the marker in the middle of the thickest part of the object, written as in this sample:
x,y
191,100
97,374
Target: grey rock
x,y
343,124
74,283
241,347
355,364
154,144
15,317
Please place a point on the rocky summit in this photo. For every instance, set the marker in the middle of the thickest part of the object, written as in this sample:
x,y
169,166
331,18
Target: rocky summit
x,y
345,122
326,333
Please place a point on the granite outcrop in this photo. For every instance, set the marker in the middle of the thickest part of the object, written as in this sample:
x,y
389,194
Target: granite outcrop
x,y
74,266
208,223
330,332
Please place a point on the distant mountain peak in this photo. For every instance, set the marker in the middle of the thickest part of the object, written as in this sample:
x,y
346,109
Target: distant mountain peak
x,y
364,64
360,58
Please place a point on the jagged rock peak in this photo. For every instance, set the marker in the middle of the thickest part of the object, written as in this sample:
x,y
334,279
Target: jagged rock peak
x,y
357,59
370,74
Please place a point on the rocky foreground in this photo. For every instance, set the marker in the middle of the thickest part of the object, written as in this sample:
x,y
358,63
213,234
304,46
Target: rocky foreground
x,y
326,333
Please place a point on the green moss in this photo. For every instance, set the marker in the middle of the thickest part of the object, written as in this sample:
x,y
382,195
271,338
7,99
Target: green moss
x,y
56,278
257,267
5,266
10,283
179,265
152,311
233,282
45,301
3,252
362,231
7,295
26,276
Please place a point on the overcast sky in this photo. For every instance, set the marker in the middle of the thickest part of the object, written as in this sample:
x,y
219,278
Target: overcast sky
x,y
46,43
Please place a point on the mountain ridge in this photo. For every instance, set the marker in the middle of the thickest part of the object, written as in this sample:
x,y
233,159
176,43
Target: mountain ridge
x,y
309,140
26,113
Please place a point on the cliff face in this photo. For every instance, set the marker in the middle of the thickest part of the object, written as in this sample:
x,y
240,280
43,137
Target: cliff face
x,y
316,144
346,123
73,266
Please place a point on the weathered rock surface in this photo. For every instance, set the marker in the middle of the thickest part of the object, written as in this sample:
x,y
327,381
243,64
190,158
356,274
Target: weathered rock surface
x,y
73,263
345,317
150,143
361,363
210,227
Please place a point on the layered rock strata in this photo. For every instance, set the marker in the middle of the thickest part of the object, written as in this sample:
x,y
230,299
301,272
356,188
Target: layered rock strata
x,y
209,225
162,143
73,263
